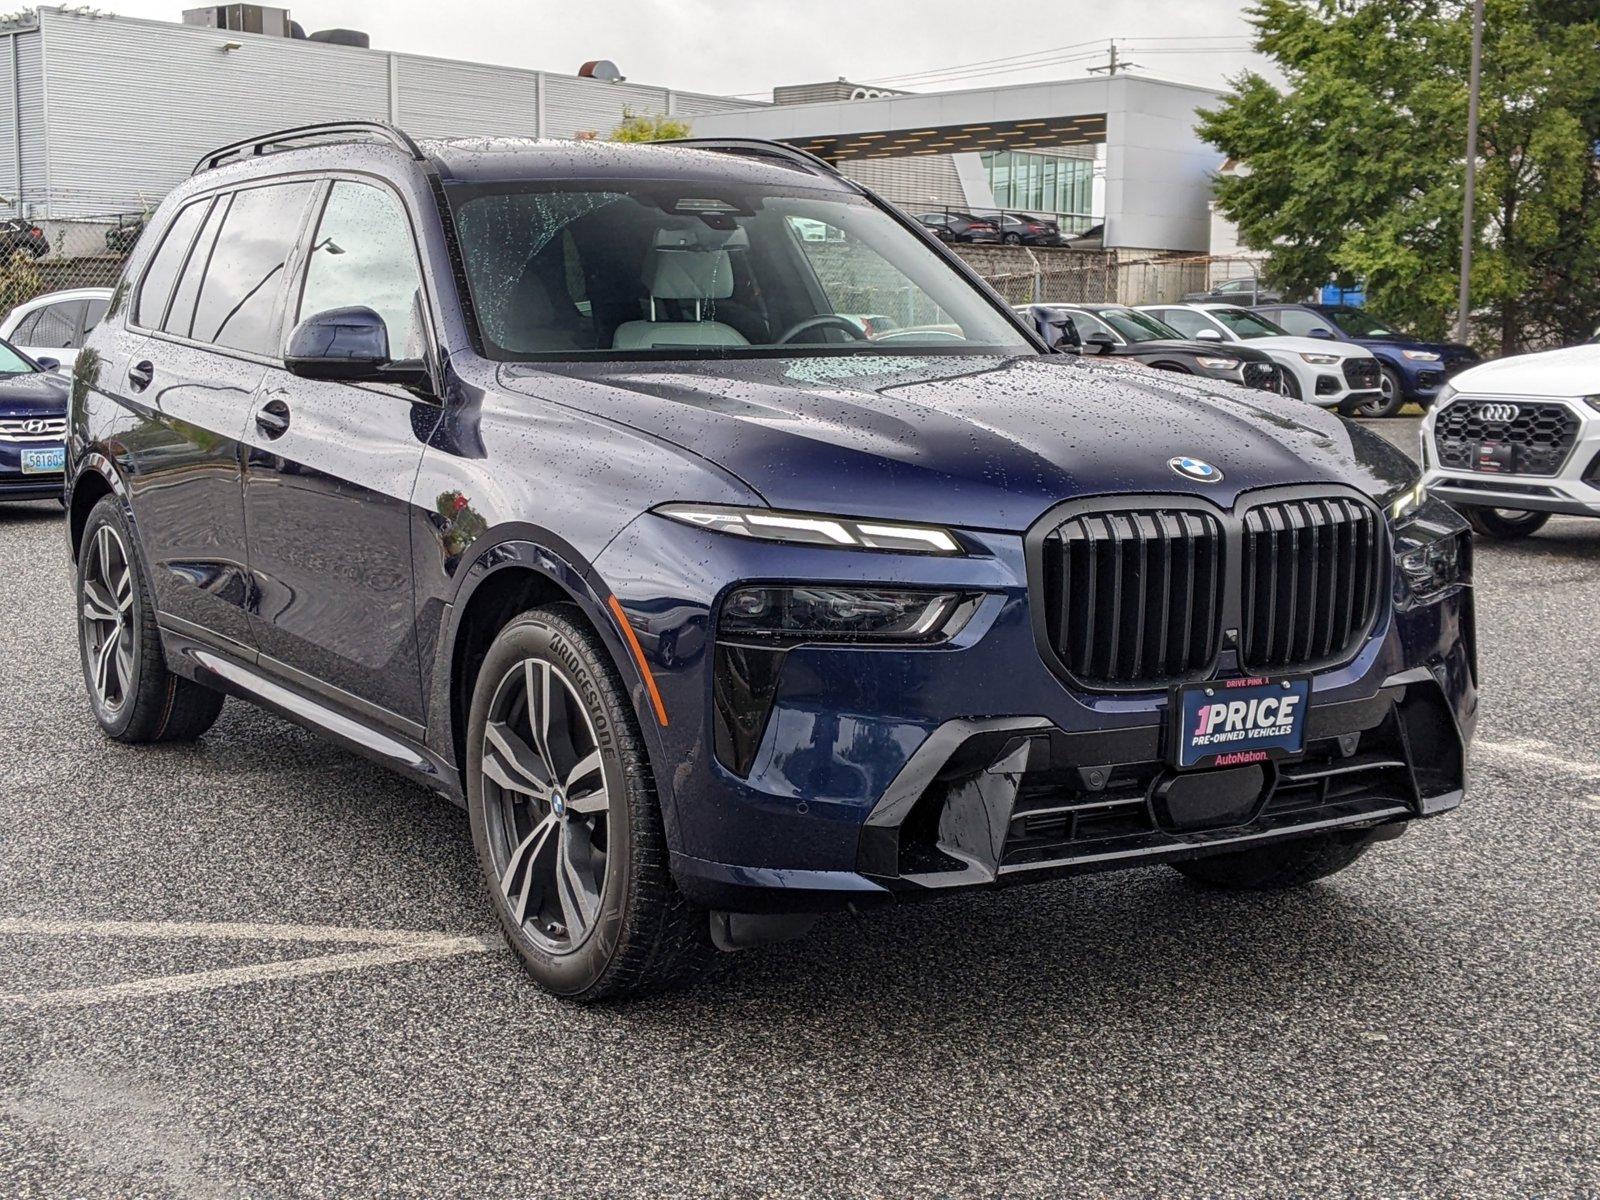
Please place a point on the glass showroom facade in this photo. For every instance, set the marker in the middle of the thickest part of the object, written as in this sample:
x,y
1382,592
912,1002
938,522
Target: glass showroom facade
x,y
1042,183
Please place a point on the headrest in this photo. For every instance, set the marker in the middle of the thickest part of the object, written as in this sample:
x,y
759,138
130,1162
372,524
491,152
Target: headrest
x,y
688,273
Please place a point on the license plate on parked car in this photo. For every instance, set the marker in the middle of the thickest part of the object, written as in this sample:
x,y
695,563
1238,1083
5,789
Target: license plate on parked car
x,y
44,462
1238,720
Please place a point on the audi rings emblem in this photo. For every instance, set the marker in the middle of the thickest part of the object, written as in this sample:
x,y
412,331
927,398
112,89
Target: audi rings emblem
x,y
1497,414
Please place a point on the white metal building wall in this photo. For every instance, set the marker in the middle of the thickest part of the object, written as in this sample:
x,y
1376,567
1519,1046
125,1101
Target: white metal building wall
x,y
129,105
22,142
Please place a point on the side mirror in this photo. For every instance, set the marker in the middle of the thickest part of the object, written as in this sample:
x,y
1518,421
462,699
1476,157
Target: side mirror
x,y
1099,343
1325,334
349,345
1208,335
48,364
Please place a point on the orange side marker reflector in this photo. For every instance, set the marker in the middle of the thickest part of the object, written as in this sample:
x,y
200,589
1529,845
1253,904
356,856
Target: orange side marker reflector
x,y
638,657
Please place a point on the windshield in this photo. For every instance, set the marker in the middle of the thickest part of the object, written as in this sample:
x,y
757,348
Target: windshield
x,y
1357,323
676,269
12,363
1247,324
1137,326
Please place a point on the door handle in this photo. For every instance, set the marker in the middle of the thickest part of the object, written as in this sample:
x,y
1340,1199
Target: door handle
x,y
272,418
141,375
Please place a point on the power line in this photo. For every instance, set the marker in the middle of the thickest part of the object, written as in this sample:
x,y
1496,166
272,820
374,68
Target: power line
x,y
982,62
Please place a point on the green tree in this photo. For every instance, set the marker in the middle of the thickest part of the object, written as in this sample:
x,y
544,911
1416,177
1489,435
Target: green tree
x,y
649,127
1356,167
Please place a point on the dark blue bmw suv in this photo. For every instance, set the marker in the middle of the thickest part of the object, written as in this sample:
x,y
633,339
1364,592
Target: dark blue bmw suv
x,y
566,480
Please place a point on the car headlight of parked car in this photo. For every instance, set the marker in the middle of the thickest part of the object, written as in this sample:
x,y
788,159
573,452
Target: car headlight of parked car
x,y
1321,360
814,529
1420,355
1593,402
789,615
1218,364
1432,548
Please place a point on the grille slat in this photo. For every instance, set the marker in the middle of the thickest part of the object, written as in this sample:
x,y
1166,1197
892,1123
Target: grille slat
x,y
33,429
1318,584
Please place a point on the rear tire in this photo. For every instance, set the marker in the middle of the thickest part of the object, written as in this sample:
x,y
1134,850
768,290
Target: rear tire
x,y
1291,384
1284,865
591,909
1505,524
133,694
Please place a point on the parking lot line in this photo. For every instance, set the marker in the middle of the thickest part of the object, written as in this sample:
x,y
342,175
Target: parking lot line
x,y
1537,754
224,930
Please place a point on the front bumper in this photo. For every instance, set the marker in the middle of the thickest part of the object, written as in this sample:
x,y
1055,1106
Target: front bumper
x,y
17,485
903,771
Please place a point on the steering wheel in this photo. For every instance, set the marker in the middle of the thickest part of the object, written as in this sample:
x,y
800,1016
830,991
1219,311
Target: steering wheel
x,y
823,321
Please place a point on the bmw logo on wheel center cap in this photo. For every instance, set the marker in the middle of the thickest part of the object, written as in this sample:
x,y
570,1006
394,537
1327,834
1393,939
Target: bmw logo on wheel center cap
x,y
1196,469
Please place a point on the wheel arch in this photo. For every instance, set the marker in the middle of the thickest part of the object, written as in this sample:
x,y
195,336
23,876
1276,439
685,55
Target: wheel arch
x,y
521,569
95,480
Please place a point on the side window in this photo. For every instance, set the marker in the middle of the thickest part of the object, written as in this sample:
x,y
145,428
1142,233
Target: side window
x,y
58,326
22,335
92,314
165,265
238,304
363,254
1185,322
180,313
1299,323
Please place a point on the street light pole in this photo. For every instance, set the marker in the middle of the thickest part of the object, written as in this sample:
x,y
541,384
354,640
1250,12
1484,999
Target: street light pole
x,y
1463,308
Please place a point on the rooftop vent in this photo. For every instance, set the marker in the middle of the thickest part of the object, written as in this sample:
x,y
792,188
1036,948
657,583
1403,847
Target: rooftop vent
x,y
603,69
240,18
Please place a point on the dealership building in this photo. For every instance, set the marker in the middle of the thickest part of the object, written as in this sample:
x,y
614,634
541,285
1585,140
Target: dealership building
x,y
102,114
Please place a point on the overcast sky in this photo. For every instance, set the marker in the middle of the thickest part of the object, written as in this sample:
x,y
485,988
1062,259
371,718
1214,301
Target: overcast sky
x,y
746,46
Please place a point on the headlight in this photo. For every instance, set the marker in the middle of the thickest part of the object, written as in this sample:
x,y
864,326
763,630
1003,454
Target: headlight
x,y
1434,568
1420,355
1217,364
1446,394
1321,360
1593,402
813,529
1401,505
828,613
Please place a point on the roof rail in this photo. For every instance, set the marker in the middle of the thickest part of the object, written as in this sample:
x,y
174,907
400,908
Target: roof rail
x,y
758,148
283,139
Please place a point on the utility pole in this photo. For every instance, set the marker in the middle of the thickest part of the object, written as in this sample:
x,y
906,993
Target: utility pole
x,y
1468,232
1114,65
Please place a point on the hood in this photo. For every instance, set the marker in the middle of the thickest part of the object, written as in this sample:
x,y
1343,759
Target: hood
x,y
1574,371
37,394
966,441
1448,351
1308,345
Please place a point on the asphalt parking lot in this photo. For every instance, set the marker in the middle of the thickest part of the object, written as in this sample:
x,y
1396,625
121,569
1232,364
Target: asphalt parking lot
x,y
259,966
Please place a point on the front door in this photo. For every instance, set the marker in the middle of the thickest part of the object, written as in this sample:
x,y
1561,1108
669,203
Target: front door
x,y
329,472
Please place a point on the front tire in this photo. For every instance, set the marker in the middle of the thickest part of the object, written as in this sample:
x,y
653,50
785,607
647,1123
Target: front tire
x,y
566,822
135,697
1391,396
1283,865
1504,524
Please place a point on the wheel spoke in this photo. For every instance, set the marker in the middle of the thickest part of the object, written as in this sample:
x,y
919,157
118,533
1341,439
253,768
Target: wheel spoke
x,y
537,679
585,786
102,666
97,603
576,886
522,868
123,660
510,762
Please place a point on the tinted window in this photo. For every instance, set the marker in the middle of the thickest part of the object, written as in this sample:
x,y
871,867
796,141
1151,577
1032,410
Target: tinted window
x,y
1246,323
166,264
53,327
92,314
1362,324
238,305
180,313
1136,326
363,254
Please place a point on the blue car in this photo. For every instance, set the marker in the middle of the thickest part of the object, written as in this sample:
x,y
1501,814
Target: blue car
x,y
33,427
1412,370
566,480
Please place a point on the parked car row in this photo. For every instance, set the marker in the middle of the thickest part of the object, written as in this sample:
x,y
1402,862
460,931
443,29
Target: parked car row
x,y
1012,229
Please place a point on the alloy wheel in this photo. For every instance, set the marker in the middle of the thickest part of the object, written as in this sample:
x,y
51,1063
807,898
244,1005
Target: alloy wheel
x,y
108,619
546,805
1385,400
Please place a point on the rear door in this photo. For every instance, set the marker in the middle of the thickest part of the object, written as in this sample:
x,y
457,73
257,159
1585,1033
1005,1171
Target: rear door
x,y
210,304
329,475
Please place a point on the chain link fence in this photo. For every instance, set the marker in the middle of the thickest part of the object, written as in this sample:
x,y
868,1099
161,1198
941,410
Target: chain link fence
x,y
1026,276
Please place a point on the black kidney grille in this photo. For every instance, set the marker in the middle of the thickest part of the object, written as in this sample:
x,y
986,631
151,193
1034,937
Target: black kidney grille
x,y
1540,435
1134,598
1313,576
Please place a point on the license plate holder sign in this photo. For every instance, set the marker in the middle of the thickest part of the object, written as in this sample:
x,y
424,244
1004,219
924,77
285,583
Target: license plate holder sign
x,y
1235,721
44,462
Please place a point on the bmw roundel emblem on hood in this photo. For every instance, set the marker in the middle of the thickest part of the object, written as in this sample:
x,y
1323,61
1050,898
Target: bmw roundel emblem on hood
x,y
1196,469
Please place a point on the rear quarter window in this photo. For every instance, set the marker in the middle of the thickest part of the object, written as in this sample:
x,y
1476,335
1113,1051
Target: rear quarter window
x,y
156,289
